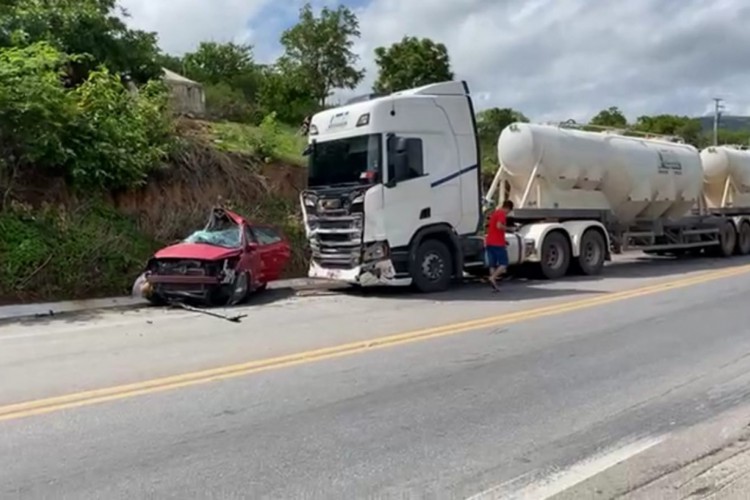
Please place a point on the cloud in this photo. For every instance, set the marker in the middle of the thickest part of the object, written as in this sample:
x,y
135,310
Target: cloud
x,y
551,59
557,59
182,24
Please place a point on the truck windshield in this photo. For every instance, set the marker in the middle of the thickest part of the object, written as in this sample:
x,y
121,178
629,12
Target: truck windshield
x,y
345,161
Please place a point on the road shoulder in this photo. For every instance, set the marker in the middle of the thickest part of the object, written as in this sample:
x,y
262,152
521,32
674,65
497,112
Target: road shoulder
x,y
708,460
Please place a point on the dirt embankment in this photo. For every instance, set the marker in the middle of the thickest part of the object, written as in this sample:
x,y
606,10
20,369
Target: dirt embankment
x,y
58,245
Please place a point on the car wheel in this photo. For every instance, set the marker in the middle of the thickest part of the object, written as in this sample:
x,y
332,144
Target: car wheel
x,y
240,289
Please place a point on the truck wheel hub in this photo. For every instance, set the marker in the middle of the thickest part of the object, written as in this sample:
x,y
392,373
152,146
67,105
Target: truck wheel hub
x,y
433,266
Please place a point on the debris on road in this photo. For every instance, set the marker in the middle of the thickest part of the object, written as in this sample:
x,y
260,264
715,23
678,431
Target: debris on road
x,y
234,319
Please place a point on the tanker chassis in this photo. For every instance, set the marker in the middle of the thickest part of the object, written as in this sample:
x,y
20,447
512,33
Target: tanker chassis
x,y
394,193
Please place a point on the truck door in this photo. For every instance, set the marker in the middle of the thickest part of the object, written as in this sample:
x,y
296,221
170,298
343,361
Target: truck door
x,y
407,203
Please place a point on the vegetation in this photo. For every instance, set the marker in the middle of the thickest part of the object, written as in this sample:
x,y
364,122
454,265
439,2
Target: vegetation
x,y
410,63
96,172
490,123
270,140
53,251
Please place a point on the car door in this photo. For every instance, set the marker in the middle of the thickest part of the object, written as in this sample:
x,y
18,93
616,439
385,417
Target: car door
x,y
275,251
252,260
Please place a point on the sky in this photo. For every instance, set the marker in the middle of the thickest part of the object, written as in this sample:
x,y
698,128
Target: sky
x,y
550,59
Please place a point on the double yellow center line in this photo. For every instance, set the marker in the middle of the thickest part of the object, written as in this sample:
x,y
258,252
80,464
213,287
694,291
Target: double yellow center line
x,y
48,405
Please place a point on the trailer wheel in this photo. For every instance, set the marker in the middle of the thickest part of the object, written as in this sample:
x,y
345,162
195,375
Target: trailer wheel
x,y
431,269
555,256
743,239
593,253
727,239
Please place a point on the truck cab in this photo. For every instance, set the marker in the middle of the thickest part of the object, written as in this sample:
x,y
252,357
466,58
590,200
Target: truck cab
x,y
394,189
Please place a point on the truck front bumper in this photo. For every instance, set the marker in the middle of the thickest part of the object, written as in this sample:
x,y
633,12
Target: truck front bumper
x,y
379,273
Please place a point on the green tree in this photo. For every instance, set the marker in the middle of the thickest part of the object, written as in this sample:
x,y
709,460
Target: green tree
x,y
284,90
85,27
610,117
412,62
219,62
172,63
35,111
320,48
730,137
685,127
98,135
490,123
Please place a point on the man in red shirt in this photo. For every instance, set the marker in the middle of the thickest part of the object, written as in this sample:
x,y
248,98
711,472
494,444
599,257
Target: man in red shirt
x,y
495,243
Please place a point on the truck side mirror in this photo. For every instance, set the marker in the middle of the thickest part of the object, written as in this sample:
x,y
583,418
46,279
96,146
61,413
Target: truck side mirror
x,y
399,159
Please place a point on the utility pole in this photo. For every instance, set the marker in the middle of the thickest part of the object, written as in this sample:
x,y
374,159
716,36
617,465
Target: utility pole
x,y
718,108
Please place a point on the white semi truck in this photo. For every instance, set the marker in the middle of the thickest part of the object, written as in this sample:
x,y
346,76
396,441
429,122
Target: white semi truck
x,y
395,194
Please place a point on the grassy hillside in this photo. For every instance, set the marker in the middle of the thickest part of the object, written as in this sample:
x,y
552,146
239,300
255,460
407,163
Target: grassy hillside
x,y
731,123
287,145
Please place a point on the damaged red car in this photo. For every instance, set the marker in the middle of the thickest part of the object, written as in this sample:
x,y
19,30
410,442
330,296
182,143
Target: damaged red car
x,y
221,264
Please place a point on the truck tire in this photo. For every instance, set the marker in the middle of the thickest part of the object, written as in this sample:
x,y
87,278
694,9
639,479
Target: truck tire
x,y
555,256
727,239
431,269
743,239
593,253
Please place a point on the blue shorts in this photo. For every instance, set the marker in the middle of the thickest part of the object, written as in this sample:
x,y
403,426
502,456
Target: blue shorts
x,y
496,256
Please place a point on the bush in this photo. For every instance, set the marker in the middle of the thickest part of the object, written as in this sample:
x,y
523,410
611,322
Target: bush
x,y
118,137
99,135
35,109
266,143
224,102
55,253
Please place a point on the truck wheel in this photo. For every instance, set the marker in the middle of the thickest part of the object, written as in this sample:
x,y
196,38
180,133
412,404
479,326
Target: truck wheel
x,y
593,253
431,269
555,256
743,239
728,240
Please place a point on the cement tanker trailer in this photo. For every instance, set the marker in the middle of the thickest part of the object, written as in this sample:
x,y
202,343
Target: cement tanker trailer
x,y
581,196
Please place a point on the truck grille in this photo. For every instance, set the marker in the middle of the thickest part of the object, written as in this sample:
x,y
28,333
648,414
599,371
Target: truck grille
x,y
336,241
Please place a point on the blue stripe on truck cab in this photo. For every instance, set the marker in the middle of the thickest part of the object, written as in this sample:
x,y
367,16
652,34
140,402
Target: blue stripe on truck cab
x,y
454,175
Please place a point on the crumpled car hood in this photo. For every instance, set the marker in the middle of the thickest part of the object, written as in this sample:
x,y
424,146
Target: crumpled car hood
x,y
196,251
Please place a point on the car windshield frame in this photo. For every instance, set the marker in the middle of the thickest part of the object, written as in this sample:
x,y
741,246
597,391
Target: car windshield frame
x,y
349,160
217,237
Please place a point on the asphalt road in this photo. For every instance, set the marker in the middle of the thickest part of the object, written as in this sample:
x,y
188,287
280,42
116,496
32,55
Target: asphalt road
x,y
447,410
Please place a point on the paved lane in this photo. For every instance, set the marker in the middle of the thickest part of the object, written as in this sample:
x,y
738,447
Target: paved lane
x,y
455,414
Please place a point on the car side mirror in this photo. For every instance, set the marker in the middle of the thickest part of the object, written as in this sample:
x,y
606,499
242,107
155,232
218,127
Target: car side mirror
x,y
251,246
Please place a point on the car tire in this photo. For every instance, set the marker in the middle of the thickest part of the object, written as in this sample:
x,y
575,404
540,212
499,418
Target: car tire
x,y
240,289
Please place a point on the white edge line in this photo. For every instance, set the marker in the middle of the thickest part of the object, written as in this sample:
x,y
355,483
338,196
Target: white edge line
x,y
581,471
